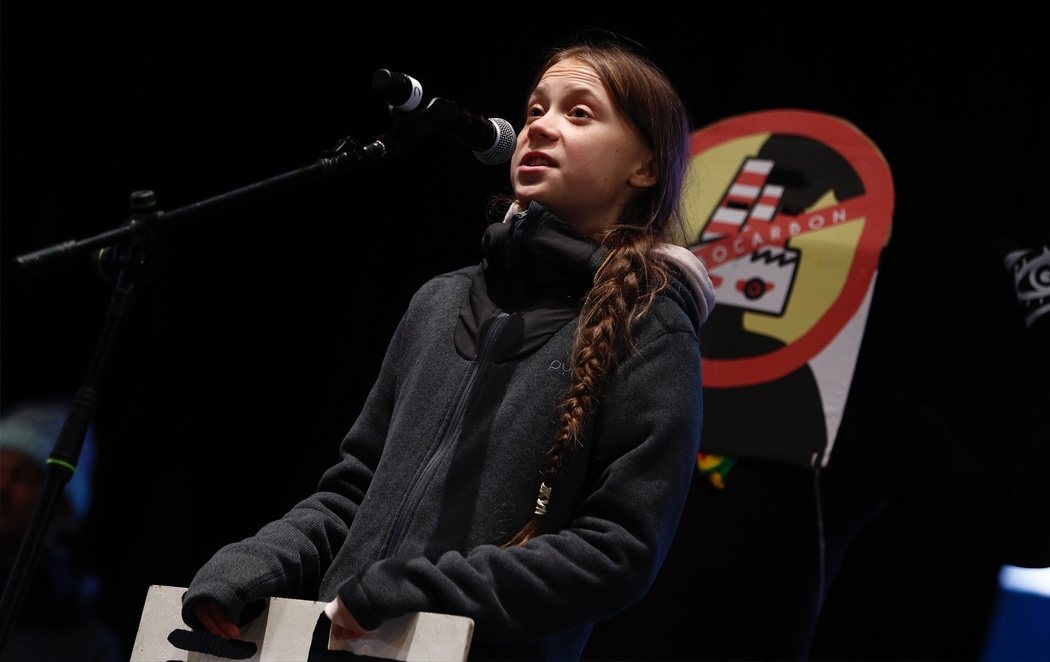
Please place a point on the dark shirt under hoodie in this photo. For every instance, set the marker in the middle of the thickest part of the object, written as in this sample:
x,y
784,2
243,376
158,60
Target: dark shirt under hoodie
x,y
443,463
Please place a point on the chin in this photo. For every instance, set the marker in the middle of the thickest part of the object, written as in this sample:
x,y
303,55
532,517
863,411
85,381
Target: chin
x,y
525,199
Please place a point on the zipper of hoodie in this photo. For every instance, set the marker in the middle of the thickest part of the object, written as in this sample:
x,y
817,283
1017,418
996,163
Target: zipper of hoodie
x,y
452,431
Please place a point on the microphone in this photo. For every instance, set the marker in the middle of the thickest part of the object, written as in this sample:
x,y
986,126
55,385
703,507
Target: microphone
x,y
402,92
491,140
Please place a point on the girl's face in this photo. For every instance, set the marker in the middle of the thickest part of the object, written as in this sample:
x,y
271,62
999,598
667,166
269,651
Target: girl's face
x,y
21,481
577,155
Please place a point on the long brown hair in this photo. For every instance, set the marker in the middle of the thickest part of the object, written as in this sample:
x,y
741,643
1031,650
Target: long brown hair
x,y
631,275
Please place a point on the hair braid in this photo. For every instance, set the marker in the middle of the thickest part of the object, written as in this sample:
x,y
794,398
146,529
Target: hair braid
x,y
632,274
623,292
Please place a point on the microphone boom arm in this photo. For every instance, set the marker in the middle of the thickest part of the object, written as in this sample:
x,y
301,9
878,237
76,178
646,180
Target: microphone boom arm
x,y
346,153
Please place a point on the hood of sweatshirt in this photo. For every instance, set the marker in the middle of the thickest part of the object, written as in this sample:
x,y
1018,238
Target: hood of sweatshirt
x,y
535,271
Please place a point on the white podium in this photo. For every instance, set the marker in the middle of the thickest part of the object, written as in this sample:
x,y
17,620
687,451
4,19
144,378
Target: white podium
x,y
284,630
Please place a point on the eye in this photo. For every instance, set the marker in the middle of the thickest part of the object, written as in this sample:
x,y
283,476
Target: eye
x,y
534,111
579,112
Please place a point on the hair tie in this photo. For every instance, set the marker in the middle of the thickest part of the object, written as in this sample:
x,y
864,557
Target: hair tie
x,y
543,499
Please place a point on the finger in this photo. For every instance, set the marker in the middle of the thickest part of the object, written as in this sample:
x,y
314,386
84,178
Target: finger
x,y
212,617
204,616
340,632
227,628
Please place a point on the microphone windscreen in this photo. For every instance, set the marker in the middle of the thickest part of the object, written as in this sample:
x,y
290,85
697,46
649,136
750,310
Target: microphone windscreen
x,y
502,147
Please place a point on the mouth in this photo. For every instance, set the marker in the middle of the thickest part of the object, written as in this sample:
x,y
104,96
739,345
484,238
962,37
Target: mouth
x,y
537,160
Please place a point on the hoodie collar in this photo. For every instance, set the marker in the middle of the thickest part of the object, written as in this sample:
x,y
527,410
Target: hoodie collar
x,y
537,268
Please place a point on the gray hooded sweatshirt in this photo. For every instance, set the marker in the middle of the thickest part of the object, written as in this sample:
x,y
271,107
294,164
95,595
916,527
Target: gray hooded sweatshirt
x,y
443,464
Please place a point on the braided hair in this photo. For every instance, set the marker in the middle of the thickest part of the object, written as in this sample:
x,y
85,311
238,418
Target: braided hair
x,y
632,274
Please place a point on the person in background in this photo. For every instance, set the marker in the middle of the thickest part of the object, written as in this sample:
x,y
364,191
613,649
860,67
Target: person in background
x,y
57,619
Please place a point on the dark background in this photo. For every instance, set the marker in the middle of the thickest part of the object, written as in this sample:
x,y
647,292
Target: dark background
x,y
253,344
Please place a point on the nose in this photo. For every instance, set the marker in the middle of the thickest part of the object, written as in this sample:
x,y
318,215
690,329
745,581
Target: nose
x,y
542,127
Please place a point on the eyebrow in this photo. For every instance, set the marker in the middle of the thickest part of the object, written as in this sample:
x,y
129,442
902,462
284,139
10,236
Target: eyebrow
x,y
574,91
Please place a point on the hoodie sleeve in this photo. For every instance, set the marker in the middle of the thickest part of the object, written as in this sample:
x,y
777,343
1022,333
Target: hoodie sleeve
x,y
288,557
643,458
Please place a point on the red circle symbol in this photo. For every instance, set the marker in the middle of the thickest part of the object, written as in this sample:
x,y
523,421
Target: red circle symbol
x,y
874,205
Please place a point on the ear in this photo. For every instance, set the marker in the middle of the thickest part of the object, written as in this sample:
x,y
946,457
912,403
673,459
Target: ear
x,y
644,176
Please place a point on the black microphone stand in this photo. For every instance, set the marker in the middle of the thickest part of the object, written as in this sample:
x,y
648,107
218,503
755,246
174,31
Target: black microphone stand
x,y
125,248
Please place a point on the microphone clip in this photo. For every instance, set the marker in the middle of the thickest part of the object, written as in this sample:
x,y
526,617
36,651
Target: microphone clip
x,y
350,150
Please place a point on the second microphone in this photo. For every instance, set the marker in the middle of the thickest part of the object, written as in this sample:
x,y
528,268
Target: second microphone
x,y
491,140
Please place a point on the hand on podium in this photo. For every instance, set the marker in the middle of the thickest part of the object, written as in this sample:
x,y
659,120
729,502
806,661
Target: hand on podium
x,y
215,620
344,625
289,630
